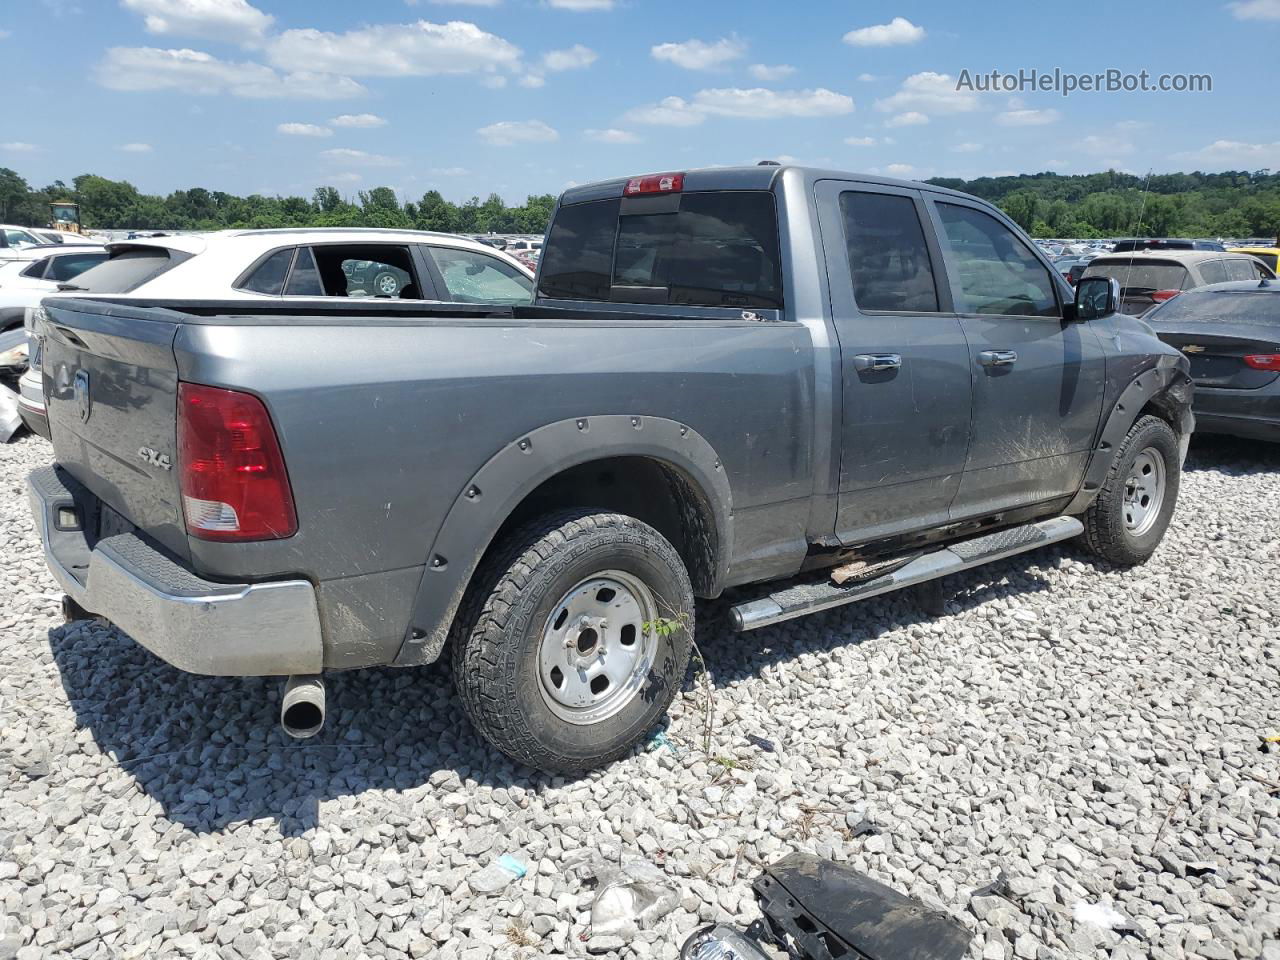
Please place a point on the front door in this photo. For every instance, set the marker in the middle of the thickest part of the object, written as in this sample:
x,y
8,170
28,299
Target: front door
x,y
904,364
1037,379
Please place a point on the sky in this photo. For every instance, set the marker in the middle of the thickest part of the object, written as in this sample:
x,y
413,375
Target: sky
x,y
519,97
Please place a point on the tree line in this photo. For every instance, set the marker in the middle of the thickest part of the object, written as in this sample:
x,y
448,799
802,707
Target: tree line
x,y
1110,204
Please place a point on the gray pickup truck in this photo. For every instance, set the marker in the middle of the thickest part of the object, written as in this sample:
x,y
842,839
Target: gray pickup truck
x,y
728,377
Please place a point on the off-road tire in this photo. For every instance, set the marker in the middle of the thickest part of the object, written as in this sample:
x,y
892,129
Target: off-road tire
x,y
1105,532
496,635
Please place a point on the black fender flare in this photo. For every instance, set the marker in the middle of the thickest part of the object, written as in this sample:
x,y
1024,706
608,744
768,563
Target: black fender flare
x,y
491,495
1167,380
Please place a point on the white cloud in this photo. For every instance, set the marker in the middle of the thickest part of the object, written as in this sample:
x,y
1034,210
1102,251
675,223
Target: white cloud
x,y
17,146
448,172
459,3
899,169
1027,118
136,147
358,120
359,158
576,57
756,102
895,33
700,55
5,34
966,148
867,78
581,6
912,118
930,92
533,80
233,20
1105,146
494,81
510,132
303,130
860,141
419,49
1256,10
191,71
768,74
349,177
1236,154
612,135
1133,124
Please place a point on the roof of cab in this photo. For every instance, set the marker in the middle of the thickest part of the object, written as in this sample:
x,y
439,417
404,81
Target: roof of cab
x,y
759,177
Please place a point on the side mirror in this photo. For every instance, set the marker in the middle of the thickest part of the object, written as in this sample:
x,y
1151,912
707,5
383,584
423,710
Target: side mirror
x,y
1097,297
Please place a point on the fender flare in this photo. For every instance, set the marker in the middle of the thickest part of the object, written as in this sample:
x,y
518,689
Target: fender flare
x,y
1166,378
490,496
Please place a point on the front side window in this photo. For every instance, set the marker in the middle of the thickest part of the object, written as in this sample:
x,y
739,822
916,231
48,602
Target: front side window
x,y
711,249
888,257
72,265
997,273
472,277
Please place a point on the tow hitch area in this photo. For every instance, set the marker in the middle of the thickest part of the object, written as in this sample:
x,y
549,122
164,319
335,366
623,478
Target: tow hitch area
x,y
821,910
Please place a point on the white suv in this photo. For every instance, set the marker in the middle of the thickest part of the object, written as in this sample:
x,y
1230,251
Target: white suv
x,y
292,264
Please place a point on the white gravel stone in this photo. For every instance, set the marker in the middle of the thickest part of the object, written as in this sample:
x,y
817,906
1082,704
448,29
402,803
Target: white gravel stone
x,y
1049,727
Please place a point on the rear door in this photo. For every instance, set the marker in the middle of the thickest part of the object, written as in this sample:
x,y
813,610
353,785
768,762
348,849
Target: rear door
x,y
904,363
1037,378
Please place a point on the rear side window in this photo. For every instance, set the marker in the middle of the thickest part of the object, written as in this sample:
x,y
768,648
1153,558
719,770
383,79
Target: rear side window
x,y
1241,270
304,279
998,273
73,264
36,270
269,277
1137,275
1213,271
888,257
713,249
128,269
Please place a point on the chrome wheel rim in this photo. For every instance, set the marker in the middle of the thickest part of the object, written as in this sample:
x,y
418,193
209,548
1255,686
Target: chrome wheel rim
x,y
387,284
595,652
1144,492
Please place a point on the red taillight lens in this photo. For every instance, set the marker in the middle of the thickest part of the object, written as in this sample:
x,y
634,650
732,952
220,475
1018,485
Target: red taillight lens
x,y
1160,296
234,485
1263,361
657,183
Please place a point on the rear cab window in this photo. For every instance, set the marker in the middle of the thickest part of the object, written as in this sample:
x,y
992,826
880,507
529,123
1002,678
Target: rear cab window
x,y
715,248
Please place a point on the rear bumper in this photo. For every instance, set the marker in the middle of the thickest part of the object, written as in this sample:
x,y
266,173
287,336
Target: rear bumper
x,y
31,403
219,629
1243,413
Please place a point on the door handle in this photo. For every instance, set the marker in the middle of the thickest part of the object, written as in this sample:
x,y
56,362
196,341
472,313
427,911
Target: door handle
x,y
876,362
997,358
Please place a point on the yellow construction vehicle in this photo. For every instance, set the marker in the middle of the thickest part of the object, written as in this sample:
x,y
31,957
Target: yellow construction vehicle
x,y
65,217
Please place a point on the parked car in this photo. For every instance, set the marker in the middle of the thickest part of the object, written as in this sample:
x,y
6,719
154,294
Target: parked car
x,y
1231,333
15,239
1270,256
1164,243
891,379
295,264
1151,278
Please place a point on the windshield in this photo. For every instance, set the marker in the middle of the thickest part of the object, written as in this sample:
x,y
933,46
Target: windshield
x,y
714,249
1141,274
1221,306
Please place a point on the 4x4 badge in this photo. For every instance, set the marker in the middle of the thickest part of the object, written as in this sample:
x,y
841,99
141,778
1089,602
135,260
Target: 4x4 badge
x,y
155,458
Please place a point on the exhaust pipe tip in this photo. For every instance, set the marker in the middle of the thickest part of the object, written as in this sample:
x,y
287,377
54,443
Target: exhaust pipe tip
x,y
302,706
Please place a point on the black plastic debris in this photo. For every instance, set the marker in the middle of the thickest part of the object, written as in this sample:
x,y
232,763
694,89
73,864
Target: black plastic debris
x,y
767,746
821,910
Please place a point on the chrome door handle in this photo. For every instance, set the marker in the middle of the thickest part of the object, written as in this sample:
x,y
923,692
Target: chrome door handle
x,y
997,358
876,362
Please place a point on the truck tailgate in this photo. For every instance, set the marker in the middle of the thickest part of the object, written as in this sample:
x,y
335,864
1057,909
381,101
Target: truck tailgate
x,y
111,393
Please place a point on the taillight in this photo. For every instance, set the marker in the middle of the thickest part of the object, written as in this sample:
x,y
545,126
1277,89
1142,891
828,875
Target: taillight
x,y
232,475
1160,296
1263,361
656,183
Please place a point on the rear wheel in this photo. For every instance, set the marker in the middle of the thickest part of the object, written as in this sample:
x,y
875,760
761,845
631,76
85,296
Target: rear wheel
x,y
386,284
1127,520
573,640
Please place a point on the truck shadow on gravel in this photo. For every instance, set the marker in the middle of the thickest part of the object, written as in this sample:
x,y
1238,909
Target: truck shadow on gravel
x,y
1232,455
209,750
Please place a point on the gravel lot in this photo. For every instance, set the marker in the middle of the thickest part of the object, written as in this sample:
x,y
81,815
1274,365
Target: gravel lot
x,y
1092,734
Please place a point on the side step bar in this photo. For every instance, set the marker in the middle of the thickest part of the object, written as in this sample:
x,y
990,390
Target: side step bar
x,y
809,598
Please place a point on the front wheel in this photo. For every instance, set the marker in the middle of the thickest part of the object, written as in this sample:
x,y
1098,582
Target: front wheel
x,y
1127,520
386,285
573,640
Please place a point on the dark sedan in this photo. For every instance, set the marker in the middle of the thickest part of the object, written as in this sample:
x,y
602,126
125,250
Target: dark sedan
x,y
1231,334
